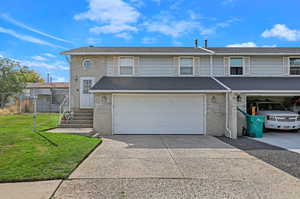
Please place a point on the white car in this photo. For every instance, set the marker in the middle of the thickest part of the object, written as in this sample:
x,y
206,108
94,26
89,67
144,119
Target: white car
x,y
277,116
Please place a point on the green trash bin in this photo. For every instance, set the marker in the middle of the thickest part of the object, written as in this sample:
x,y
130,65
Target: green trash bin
x,y
255,124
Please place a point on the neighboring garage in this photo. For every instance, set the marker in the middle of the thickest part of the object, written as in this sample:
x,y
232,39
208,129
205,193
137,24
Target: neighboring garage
x,y
280,111
159,114
291,103
279,98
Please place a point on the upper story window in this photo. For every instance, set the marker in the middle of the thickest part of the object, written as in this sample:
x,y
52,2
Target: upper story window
x,y
87,63
236,66
186,66
126,65
294,66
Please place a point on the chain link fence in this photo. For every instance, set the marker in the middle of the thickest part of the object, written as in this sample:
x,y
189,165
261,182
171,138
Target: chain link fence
x,y
41,108
12,103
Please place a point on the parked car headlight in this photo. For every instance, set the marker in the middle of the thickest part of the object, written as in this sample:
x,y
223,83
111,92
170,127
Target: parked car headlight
x,y
270,117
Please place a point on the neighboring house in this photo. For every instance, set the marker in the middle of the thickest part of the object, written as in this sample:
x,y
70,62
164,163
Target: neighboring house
x,y
178,90
49,95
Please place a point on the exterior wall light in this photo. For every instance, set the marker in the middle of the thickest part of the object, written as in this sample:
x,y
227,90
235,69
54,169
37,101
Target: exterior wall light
x,y
213,99
238,98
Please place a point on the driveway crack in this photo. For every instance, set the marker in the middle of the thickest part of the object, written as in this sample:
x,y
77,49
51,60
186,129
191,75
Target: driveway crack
x,y
172,156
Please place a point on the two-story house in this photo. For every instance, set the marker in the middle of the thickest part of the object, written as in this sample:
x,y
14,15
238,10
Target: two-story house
x,y
177,90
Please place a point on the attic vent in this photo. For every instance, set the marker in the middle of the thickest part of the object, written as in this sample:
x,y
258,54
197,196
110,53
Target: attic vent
x,y
205,45
196,43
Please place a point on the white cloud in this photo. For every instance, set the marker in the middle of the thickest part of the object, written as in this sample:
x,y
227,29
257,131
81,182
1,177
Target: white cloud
x,y
124,35
213,29
57,65
137,3
92,40
28,38
170,26
49,55
149,40
113,16
19,24
245,44
248,44
281,31
39,58
112,28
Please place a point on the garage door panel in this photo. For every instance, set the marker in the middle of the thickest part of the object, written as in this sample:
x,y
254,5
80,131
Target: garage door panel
x,y
158,114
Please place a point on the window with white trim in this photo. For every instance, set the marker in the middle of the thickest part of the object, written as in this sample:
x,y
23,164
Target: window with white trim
x,y
126,65
186,66
87,63
294,66
236,66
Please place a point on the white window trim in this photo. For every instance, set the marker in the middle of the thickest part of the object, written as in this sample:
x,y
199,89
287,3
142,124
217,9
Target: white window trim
x,y
179,66
119,65
289,66
229,66
84,60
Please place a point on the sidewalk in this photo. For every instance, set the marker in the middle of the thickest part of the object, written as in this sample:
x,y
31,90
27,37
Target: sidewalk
x,y
32,190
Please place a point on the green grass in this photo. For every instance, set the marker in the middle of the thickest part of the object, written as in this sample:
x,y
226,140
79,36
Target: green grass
x,y
25,155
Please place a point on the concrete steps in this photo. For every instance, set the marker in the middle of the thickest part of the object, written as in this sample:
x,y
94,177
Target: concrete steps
x,y
75,126
82,118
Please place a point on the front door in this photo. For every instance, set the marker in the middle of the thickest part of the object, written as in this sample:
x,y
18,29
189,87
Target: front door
x,y
86,98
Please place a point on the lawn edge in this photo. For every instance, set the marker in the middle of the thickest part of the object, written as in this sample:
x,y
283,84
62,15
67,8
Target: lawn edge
x,y
48,179
84,158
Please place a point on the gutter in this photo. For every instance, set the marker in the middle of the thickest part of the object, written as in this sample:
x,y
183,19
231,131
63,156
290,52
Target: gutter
x,y
136,53
157,91
227,104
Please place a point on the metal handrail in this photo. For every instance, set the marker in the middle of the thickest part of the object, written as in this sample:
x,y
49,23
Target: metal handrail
x,y
61,111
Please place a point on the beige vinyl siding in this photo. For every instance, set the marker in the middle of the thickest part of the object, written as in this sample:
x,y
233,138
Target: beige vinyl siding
x,y
109,64
157,66
218,66
97,70
147,66
266,66
204,66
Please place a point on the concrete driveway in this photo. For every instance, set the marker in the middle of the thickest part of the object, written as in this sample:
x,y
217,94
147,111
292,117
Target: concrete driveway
x,y
286,140
175,166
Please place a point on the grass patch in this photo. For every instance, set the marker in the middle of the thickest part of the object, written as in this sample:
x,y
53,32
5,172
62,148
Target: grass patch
x,y
25,155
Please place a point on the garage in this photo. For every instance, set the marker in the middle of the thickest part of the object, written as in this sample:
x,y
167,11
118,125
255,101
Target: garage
x,y
159,114
281,111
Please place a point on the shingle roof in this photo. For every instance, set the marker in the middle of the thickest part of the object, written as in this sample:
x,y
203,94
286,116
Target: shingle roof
x,y
157,83
136,50
262,83
250,50
246,84
184,50
48,85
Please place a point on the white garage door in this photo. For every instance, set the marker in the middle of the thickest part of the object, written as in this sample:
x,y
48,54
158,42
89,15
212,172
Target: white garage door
x,y
158,114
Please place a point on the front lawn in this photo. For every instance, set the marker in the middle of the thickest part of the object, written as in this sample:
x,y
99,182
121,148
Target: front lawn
x,y
25,155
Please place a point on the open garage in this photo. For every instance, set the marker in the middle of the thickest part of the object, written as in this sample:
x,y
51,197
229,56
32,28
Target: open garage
x,y
277,96
281,111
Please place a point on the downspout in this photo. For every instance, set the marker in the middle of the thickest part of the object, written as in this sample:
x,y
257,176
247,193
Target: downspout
x,y
228,91
68,58
211,65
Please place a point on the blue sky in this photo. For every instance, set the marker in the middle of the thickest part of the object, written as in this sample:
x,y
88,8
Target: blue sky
x,y
34,32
